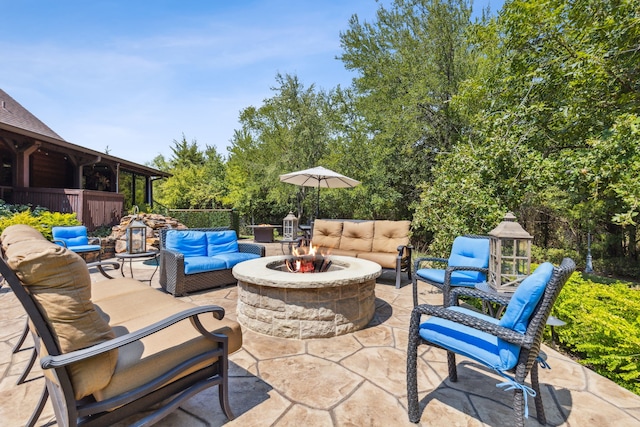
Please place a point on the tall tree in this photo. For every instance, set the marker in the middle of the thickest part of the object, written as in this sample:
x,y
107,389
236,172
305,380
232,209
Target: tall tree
x,y
287,133
411,61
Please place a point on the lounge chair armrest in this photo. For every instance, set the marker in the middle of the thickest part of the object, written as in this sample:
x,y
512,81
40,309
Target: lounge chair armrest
x,y
49,362
492,297
60,242
418,261
471,321
401,249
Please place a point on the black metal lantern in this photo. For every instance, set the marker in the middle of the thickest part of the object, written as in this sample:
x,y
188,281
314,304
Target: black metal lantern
x,y
136,235
509,255
290,227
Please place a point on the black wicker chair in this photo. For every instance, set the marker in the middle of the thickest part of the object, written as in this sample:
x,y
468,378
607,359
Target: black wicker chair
x,y
511,344
467,265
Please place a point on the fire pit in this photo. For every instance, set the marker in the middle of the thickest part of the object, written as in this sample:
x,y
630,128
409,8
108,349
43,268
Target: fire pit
x,y
275,301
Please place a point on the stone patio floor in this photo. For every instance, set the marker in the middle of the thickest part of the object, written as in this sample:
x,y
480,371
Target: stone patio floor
x,y
351,380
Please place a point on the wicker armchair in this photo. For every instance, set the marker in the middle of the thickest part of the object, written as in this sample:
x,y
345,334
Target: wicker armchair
x,y
467,265
511,344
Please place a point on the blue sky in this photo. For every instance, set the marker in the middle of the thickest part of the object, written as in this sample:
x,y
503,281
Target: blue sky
x,y
135,75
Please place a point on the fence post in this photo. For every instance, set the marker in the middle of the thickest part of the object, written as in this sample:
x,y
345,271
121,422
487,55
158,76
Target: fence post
x,y
234,221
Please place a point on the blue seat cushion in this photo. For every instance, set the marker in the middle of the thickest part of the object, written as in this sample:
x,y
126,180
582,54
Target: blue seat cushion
x,y
201,264
458,278
233,258
221,242
189,242
84,248
477,345
525,298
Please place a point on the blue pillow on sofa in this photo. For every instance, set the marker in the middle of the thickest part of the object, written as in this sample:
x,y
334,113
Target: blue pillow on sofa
x,y
221,242
190,243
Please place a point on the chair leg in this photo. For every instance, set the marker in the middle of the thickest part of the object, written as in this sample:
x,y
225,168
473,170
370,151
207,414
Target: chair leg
x,y
27,369
25,332
223,389
414,282
518,407
535,384
38,410
413,406
453,370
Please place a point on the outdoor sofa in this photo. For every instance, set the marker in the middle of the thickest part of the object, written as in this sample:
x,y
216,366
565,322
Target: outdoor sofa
x,y
195,259
381,241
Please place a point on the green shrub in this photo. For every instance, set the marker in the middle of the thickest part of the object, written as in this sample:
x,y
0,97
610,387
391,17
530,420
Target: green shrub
x,y
41,221
603,327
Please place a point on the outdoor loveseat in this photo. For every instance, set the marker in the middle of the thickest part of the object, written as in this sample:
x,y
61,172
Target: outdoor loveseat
x,y
105,356
195,259
384,242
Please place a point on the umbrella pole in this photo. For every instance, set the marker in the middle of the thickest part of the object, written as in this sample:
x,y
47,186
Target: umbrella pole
x,y
318,203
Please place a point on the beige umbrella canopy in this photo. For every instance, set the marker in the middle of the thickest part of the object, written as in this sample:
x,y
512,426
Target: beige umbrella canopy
x,y
319,177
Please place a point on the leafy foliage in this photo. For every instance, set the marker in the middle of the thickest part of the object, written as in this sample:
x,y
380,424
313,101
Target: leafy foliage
x,y
603,327
42,220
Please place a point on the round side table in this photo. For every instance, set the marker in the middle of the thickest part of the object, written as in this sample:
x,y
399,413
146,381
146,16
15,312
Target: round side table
x,y
142,256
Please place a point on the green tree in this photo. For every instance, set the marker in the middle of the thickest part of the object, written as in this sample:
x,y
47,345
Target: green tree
x,y
411,61
287,133
198,178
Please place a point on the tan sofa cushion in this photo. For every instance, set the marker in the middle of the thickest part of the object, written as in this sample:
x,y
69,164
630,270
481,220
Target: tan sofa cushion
x,y
357,236
142,361
326,233
60,284
385,259
389,235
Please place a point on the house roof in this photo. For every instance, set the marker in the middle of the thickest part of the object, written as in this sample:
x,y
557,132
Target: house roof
x,y
14,114
16,119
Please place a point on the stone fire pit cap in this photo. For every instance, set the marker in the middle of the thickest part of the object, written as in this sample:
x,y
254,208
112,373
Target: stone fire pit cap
x,y
354,269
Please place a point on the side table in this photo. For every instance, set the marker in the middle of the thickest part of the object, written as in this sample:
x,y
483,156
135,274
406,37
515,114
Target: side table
x,y
143,256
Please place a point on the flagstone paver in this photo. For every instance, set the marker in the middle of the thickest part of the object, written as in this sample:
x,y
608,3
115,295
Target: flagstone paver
x,y
357,379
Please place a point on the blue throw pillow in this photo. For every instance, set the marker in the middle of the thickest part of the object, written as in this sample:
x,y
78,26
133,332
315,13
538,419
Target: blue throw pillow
x,y
190,243
525,298
221,242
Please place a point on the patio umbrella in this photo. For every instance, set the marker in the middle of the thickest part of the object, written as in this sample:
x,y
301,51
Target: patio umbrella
x,y
319,177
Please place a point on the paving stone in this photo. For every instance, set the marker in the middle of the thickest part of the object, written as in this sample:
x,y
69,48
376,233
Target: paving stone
x,y
320,383
300,415
371,406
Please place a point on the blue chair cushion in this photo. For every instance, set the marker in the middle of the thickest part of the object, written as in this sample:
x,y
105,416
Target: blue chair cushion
x,y
233,258
200,264
72,236
190,243
525,298
84,248
221,242
477,345
472,252
458,278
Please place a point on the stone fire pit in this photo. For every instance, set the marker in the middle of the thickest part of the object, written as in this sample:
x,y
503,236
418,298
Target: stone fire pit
x,y
306,305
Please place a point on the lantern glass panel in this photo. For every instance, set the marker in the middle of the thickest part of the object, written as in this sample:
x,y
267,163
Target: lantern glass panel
x,y
521,248
507,248
522,267
507,266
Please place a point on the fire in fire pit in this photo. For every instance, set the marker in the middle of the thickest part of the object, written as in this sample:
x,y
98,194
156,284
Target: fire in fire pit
x,y
307,263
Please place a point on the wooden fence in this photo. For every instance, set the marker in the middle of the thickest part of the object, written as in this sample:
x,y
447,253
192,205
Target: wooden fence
x,y
93,208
